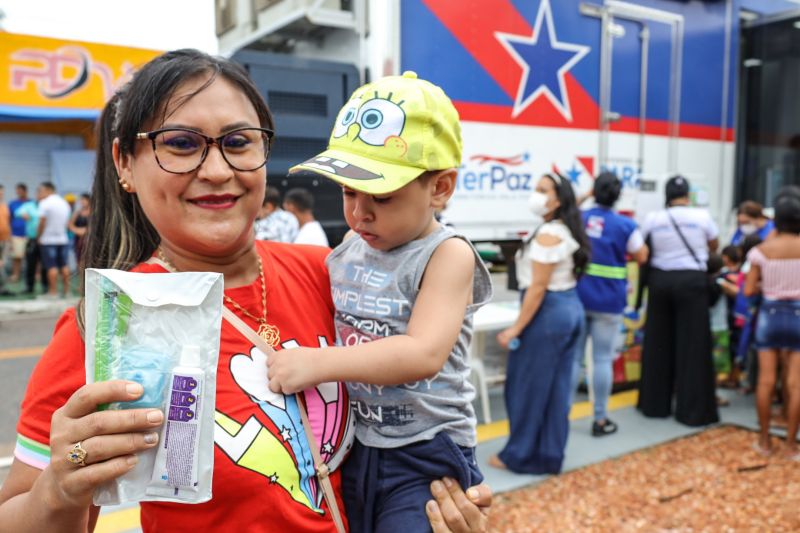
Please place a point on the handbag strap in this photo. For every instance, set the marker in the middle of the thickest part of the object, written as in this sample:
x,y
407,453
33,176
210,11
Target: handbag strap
x,y
685,242
320,467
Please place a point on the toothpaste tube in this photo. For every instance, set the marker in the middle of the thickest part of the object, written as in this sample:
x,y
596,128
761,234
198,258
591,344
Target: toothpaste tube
x,y
176,464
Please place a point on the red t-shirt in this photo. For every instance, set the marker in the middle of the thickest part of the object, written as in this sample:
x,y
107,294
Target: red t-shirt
x,y
263,471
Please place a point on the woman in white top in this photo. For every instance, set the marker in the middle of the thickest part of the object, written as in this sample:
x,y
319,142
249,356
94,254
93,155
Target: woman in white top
x,y
544,338
676,356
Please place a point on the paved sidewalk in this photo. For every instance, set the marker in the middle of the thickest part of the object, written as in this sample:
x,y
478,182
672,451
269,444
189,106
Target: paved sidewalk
x,y
9,309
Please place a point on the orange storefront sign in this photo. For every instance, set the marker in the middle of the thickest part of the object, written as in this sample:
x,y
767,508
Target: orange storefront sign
x,y
43,76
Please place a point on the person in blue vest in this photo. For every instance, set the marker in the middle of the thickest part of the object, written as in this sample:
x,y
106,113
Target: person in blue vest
x,y
750,220
603,290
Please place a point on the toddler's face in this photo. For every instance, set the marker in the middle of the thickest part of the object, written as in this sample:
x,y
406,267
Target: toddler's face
x,y
387,221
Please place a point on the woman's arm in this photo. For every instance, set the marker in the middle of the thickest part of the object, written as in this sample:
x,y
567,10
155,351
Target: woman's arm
x,y
77,230
751,287
542,272
59,498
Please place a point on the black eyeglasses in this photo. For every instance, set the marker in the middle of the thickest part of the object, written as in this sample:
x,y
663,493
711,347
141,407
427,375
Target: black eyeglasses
x,y
180,150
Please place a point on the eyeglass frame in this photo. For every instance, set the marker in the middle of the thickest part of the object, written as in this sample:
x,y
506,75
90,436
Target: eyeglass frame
x,y
209,141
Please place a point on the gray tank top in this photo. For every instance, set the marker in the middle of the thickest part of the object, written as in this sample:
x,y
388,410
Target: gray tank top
x,y
374,292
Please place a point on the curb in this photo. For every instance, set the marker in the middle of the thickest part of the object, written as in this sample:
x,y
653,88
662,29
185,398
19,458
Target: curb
x,y
35,308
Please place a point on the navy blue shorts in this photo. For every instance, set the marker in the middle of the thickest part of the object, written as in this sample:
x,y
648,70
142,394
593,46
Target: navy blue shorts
x,y
778,325
385,490
54,255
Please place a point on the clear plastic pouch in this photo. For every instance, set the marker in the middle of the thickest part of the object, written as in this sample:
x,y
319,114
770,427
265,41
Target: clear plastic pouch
x,y
162,331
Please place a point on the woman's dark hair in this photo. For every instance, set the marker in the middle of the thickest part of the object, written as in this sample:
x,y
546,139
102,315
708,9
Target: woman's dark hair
x,y
607,188
787,190
751,209
570,215
787,214
750,242
119,234
732,252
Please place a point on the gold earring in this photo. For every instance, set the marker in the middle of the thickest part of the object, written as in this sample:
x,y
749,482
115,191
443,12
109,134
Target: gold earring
x,y
125,185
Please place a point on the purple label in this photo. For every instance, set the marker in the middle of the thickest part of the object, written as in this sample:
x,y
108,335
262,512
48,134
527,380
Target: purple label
x,y
180,414
185,399
183,383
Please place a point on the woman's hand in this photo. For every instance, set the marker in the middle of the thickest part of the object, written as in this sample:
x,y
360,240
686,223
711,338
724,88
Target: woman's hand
x,y
507,335
110,438
456,511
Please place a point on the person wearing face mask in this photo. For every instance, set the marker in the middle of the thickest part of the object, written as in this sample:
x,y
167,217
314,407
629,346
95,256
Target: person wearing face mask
x,y
751,220
676,356
545,334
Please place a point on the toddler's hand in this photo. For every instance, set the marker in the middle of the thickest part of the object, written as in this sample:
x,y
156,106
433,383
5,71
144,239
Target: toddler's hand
x,y
291,371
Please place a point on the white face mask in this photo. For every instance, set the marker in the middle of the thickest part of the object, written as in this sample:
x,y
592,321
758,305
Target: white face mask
x,y
537,203
748,229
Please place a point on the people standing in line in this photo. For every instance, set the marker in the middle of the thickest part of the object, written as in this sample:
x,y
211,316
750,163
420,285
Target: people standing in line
x,y
547,331
603,291
751,220
19,238
300,203
54,215
774,267
79,223
676,356
274,223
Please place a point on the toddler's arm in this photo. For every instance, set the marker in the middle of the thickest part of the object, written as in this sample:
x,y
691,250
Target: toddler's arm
x,y
433,329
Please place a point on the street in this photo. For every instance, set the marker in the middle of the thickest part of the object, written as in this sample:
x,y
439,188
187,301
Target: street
x,y
22,340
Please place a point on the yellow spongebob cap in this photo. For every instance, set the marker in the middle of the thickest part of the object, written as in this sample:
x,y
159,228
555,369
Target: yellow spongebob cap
x,y
388,134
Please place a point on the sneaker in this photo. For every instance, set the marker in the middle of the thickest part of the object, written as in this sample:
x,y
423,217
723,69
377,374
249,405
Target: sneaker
x,y
598,430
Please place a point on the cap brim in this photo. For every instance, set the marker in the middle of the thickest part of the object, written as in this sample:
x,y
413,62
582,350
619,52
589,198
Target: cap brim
x,y
359,173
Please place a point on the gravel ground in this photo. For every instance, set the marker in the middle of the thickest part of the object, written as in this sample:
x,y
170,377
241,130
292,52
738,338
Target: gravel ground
x,y
712,481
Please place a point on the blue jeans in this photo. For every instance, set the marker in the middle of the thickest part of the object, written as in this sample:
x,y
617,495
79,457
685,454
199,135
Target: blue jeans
x,y
604,329
538,385
778,325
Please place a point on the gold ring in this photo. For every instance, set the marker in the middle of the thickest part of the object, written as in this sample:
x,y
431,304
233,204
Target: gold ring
x,y
77,455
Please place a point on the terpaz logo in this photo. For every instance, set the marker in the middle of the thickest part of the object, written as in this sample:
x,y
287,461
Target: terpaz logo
x,y
486,173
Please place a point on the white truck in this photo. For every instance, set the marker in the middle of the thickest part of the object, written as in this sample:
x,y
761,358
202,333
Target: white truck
x,y
645,88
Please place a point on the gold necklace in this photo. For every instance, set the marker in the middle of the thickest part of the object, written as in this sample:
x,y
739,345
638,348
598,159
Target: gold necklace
x,y
266,331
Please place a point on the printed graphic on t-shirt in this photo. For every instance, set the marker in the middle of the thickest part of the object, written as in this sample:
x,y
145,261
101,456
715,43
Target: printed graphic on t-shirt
x,y
283,457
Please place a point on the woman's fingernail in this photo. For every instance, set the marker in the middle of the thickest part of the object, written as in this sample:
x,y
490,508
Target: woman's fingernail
x,y
448,482
155,416
437,487
431,506
132,460
151,438
473,494
134,389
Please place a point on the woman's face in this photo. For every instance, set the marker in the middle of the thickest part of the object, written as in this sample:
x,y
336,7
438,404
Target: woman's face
x,y
548,188
209,211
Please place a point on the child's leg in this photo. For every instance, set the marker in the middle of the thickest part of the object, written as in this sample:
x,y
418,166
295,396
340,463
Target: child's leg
x,y
767,362
359,486
792,399
406,475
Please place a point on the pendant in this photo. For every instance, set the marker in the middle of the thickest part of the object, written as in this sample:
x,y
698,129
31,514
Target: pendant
x,y
269,333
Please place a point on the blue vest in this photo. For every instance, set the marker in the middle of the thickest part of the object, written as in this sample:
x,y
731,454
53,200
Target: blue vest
x,y
603,286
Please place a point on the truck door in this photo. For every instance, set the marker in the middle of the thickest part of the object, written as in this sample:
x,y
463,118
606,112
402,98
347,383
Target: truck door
x,y
640,80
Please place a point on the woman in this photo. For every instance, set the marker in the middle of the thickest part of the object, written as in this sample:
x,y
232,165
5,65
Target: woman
x,y
750,220
193,205
774,266
79,223
548,328
676,356
603,291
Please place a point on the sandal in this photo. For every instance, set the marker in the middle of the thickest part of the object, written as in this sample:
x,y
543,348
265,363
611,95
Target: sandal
x,y
792,455
495,462
607,428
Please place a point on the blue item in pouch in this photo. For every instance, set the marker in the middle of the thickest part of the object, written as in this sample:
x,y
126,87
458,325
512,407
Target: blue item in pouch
x,y
148,368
